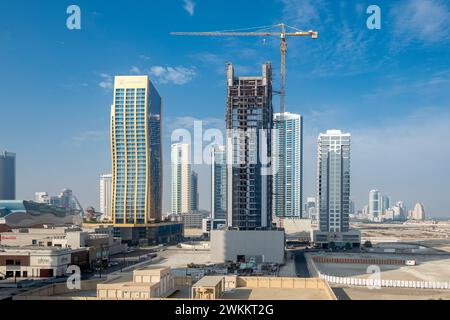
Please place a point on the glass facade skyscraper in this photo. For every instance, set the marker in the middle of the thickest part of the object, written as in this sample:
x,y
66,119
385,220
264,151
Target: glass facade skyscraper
x,y
375,205
287,165
219,183
7,176
136,152
249,119
333,183
194,197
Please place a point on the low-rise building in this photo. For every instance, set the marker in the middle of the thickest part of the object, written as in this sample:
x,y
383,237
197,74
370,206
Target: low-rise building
x,y
99,245
243,245
194,219
37,262
151,234
209,288
145,284
327,239
209,224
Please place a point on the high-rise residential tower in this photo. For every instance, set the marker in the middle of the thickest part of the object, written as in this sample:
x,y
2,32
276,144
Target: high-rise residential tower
x,y
136,152
218,182
105,195
249,116
385,203
194,197
375,205
333,191
181,178
309,208
7,176
333,183
287,165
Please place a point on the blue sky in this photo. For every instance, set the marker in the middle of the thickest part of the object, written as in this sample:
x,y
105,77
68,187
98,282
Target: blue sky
x,y
388,87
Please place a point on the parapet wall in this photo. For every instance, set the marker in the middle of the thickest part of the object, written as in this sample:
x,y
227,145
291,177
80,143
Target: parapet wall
x,y
367,261
54,291
285,283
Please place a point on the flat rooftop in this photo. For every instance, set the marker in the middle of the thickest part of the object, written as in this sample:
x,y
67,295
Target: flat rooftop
x,y
209,281
25,249
275,294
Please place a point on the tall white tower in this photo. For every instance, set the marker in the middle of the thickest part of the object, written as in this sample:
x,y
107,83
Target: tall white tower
x,y
333,182
181,178
105,196
287,152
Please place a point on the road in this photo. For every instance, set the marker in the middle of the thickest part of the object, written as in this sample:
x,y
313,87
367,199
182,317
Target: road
x,y
301,268
302,271
340,293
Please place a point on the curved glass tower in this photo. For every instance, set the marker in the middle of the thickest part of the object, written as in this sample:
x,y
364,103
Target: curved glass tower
x,y
136,152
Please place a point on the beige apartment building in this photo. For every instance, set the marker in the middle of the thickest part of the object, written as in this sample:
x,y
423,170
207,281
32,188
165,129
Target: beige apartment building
x,y
37,262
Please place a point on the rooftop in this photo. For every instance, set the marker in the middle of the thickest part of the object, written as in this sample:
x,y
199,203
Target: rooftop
x,y
209,281
30,249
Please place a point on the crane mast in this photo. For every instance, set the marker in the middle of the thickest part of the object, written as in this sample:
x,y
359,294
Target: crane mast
x,y
266,32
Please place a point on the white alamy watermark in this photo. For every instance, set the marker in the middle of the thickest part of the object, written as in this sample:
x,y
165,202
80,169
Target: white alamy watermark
x,y
73,22
374,280
243,147
374,20
74,280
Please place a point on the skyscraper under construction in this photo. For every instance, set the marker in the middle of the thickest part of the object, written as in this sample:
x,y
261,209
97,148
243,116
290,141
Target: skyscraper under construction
x,y
249,117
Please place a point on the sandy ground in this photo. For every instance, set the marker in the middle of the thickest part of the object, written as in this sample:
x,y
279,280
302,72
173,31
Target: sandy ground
x,y
276,294
429,268
435,235
359,293
179,258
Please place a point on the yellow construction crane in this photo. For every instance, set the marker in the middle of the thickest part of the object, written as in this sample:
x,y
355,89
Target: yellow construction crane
x,y
266,31
263,32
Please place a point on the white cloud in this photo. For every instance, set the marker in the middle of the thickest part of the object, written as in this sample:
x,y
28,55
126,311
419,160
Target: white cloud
x,y
346,52
189,6
144,57
304,13
175,75
135,70
418,20
435,84
106,82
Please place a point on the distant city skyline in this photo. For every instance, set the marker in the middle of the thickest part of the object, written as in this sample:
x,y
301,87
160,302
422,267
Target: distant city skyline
x,y
398,101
